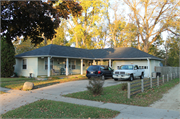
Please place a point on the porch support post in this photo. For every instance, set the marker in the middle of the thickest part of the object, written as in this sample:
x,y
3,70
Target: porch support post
x,y
101,61
67,66
94,62
81,66
109,62
48,71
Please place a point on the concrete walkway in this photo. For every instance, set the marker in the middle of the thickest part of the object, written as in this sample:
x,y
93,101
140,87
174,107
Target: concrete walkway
x,y
16,98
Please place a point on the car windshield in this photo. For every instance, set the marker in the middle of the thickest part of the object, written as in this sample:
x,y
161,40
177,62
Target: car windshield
x,y
126,67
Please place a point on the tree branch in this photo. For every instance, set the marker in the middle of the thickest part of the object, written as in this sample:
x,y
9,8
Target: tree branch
x,y
173,32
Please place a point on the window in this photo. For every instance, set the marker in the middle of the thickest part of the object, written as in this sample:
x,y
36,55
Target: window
x,y
143,67
46,64
126,67
24,63
136,67
95,68
106,68
102,68
73,64
109,69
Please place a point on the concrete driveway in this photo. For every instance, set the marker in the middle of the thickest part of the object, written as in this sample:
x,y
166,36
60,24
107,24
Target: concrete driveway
x,y
70,87
16,98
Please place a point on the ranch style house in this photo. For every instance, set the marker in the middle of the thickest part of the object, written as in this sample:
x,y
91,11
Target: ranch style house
x,y
69,60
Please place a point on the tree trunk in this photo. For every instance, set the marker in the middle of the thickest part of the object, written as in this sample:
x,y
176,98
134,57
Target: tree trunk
x,y
114,40
139,47
77,45
146,45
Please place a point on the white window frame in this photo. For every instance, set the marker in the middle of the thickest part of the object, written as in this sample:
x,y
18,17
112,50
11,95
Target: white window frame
x,y
71,66
23,64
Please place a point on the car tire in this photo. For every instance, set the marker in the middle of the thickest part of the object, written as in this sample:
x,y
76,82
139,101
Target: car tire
x,y
142,76
131,78
102,77
116,79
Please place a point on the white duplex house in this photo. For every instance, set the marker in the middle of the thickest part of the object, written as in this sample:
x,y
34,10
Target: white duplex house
x,y
39,62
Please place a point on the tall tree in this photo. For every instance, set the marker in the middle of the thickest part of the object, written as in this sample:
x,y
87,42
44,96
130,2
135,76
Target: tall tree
x,y
60,36
7,58
23,46
33,18
115,25
152,17
82,29
155,49
173,53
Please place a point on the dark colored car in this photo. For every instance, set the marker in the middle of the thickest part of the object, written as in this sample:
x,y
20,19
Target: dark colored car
x,y
99,71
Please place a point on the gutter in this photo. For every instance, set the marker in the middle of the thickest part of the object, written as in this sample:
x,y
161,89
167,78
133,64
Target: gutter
x,y
87,58
149,68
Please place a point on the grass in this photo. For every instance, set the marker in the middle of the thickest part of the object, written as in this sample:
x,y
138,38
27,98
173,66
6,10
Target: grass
x,y
1,92
15,79
17,83
55,109
115,94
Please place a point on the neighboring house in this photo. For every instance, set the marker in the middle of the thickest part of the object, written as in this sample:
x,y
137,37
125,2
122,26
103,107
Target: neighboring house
x,y
75,60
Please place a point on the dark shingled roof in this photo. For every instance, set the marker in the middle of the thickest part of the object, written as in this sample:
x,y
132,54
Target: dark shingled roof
x,y
109,53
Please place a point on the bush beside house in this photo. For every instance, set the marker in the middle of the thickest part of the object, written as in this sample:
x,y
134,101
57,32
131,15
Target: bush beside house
x,y
7,58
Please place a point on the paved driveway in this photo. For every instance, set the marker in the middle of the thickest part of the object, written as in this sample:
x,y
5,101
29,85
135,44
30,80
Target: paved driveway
x,y
71,87
16,98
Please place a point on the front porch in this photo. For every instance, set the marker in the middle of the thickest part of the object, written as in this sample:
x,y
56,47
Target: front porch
x,y
50,66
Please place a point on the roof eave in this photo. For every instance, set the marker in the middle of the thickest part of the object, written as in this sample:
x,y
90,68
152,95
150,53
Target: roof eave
x,y
140,58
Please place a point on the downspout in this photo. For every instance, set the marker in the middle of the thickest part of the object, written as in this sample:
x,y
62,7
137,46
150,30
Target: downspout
x,y
149,73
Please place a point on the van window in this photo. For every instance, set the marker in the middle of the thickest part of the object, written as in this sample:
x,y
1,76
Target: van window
x,y
94,68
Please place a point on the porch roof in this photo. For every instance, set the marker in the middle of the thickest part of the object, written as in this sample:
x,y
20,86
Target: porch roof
x,y
71,52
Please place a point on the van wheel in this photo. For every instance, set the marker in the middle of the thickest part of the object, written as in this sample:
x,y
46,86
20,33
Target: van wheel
x,y
131,78
116,79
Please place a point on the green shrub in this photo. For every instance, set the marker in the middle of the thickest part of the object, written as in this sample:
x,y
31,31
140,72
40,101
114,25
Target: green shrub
x,y
95,86
7,58
124,86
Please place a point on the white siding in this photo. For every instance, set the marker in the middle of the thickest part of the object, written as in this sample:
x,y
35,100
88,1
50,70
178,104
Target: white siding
x,y
153,64
17,66
41,67
32,64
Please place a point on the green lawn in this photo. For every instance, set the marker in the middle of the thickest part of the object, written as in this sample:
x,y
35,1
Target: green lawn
x,y
1,92
55,109
114,94
17,83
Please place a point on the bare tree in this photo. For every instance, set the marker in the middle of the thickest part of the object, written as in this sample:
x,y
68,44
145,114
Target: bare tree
x,y
153,17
